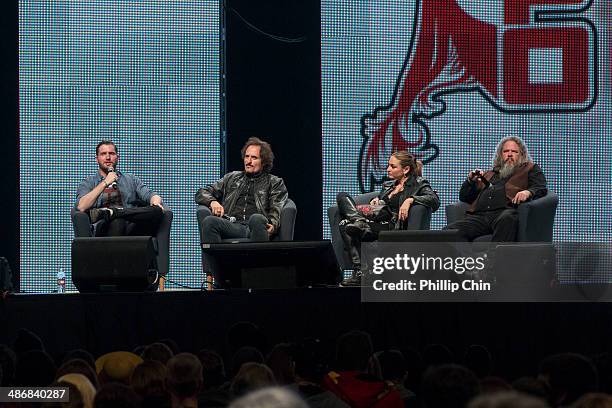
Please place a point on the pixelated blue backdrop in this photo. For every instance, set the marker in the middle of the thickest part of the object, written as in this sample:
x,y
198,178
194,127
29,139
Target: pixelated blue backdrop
x,y
143,74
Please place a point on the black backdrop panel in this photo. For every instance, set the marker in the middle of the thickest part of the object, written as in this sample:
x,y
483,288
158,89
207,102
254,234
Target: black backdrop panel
x,y
274,92
9,145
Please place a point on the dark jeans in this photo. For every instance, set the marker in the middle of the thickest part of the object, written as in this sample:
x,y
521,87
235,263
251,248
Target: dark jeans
x,y
126,221
502,224
217,228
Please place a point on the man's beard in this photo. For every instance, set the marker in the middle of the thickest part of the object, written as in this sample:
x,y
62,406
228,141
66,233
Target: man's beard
x,y
507,170
105,168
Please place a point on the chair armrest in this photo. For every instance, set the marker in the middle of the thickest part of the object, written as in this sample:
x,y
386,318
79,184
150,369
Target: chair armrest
x,y
163,241
537,217
456,211
201,213
419,217
80,223
287,221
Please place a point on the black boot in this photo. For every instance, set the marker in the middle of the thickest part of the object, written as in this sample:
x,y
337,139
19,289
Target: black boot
x,y
357,227
352,248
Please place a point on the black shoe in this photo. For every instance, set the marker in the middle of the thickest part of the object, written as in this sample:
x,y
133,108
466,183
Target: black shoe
x,y
359,229
354,280
97,214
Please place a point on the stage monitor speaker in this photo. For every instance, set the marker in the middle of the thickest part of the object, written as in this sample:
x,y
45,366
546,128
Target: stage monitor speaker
x,y
107,264
272,265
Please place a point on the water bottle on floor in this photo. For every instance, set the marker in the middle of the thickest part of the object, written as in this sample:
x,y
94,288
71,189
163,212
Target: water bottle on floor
x,y
61,281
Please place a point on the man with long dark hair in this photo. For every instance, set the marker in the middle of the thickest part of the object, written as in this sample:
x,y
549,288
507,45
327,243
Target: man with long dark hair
x,y
248,203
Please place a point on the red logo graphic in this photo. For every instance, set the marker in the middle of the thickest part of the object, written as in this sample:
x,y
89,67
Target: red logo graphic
x,y
541,56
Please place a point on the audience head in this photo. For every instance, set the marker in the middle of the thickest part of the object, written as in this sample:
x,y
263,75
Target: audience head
x,y
35,368
448,386
184,376
27,341
311,360
281,362
8,362
353,351
593,400
85,387
569,376
158,352
78,366
116,395
149,377
250,377
392,365
270,397
478,359
245,355
82,355
507,399
536,387
437,354
172,345
213,368
117,366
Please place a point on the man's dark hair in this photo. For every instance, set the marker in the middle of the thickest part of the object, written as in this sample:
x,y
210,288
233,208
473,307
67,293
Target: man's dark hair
x,y
353,351
158,352
184,375
78,366
213,368
569,375
149,378
116,395
448,386
478,359
106,142
8,361
392,365
81,354
265,152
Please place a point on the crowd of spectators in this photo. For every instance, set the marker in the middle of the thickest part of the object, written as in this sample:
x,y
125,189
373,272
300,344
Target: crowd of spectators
x,y
307,373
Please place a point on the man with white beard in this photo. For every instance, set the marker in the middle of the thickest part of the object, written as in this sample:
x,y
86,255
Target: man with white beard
x,y
495,195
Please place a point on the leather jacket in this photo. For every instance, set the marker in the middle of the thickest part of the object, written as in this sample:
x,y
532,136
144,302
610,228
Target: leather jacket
x,y
270,194
416,187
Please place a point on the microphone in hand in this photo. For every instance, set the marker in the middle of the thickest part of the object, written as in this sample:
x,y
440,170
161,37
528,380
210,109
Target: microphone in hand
x,y
114,183
230,219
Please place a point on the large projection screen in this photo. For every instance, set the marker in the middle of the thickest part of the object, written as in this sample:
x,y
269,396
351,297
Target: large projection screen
x,y
447,79
144,74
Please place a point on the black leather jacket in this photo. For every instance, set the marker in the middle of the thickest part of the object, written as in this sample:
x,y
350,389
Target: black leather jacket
x,y
270,194
416,187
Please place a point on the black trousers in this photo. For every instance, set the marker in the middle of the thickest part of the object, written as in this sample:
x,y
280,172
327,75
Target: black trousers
x,y
503,224
131,221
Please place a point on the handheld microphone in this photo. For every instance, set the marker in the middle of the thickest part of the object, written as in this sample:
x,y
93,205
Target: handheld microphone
x,y
114,183
230,219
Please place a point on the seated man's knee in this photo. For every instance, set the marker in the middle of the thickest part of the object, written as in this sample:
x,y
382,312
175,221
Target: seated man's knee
x,y
341,196
507,218
257,220
211,222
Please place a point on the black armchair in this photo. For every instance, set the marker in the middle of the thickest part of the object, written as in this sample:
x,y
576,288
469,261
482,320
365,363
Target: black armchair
x,y
80,222
285,232
536,218
419,218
